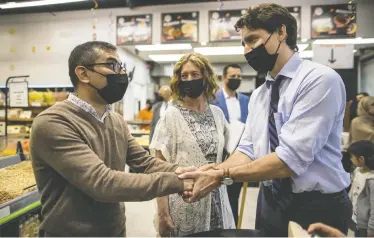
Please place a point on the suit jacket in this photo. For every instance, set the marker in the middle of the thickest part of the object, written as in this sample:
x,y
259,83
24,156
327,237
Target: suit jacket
x,y
156,116
221,103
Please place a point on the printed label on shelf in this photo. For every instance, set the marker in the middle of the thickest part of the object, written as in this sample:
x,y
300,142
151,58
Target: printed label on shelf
x,y
4,212
36,104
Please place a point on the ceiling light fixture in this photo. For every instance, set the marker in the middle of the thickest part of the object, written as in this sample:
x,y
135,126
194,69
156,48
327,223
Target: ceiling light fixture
x,y
166,57
302,47
10,5
220,50
355,41
160,47
231,50
309,54
306,54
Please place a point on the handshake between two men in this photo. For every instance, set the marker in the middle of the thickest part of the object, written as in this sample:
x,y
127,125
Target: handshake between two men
x,y
200,182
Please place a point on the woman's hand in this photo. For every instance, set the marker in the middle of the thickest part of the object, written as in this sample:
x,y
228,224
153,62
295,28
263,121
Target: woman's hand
x,y
165,225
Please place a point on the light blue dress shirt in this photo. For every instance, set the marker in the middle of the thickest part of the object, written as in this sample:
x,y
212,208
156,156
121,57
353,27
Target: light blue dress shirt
x,y
309,125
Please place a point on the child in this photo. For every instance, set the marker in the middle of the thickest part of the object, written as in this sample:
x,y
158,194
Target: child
x,y
362,190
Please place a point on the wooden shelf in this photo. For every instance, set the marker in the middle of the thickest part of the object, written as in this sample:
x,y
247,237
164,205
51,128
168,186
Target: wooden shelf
x,y
17,119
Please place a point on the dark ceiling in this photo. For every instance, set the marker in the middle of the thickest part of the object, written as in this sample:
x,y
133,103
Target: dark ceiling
x,y
89,4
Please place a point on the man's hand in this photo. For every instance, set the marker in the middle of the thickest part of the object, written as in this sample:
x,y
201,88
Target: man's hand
x,y
188,183
330,231
207,167
204,183
165,225
182,170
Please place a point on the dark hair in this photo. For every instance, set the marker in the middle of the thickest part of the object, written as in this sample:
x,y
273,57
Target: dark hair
x,y
364,148
149,101
235,66
86,53
364,94
270,17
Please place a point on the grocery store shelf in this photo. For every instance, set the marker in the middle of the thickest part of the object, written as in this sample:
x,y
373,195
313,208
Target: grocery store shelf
x,y
19,135
19,206
140,133
17,119
138,122
29,107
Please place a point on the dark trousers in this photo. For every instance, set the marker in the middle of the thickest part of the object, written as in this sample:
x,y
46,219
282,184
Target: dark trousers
x,y
306,208
234,194
361,233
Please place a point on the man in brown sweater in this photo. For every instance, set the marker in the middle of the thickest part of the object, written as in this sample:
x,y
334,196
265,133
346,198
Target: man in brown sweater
x,y
79,149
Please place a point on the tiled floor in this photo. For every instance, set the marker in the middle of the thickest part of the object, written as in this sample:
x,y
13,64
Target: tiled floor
x,y
140,215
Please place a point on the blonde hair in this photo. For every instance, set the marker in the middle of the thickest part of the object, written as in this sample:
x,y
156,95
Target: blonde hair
x,y
206,70
363,109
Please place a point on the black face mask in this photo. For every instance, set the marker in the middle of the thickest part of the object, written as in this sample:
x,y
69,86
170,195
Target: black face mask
x,y
234,83
192,88
115,88
260,59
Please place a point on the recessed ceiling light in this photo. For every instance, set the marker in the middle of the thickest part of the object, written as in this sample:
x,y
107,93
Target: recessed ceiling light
x,y
166,57
220,50
160,47
355,41
231,50
10,5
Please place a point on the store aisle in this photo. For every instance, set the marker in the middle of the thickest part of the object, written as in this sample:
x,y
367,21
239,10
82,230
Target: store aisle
x,y
140,215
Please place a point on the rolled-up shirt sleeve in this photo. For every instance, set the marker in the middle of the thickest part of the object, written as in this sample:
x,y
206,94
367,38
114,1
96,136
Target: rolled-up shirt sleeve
x,y
246,144
318,107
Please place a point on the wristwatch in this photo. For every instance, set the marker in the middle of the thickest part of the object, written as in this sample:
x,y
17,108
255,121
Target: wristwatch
x,y
226,179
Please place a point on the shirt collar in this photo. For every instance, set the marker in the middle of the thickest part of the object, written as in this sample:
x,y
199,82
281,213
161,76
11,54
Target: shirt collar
x,y
89,108
226,95
289,69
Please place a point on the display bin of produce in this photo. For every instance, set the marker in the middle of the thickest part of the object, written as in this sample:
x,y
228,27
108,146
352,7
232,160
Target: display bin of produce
x,y
9,160
19,208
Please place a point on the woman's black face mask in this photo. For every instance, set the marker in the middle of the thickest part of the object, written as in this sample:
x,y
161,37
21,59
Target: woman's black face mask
x,y
192,88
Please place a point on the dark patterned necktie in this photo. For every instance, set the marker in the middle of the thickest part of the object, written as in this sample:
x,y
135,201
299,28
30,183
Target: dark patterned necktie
x,y
281,188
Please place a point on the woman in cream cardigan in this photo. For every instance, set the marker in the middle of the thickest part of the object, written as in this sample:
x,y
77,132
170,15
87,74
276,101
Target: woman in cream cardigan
x,y
192,133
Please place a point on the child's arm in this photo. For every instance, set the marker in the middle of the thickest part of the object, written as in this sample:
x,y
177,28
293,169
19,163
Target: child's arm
x,y
370,184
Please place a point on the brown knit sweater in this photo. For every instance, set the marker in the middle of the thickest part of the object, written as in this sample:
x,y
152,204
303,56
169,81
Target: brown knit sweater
x,y
79,168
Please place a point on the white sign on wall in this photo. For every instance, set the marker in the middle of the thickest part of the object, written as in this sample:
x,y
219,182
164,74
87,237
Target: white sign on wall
x,y
19,94
339,56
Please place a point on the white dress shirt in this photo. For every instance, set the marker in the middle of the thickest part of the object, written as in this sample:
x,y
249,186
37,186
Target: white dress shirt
x,y
233,106
163,108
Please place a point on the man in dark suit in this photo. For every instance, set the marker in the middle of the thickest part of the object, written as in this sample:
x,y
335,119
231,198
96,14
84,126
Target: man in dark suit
x,y
159,108
235,107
